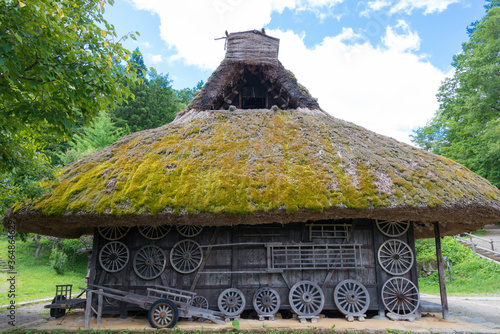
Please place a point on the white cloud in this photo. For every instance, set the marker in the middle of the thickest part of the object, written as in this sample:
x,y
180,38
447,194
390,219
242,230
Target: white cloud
x,y
428,6
386,89
155,59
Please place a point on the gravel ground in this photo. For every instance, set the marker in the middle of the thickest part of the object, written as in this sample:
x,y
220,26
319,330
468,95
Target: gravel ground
x,y
26,314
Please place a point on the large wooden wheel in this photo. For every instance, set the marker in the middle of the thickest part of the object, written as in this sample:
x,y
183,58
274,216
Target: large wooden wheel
x,y
400,296
395,257
266,301
113,232
149,262
163,314
392,228
189,231
351,298
154,232
199,301
113,256
231,302
306,298
186,256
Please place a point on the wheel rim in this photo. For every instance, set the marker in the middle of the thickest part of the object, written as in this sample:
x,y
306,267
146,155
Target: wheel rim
x,y
162,315
113,232
199,301
392,228
149,262
266,301
189,231
154,232
395,257
351,297
186,256
113,256
231,302
400,296
306,298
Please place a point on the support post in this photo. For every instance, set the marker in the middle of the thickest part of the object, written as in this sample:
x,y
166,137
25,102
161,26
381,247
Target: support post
x,y
88,309
442,284
99,308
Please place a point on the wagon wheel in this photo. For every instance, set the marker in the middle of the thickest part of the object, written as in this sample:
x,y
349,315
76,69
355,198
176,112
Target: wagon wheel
x,y
400,296
111,301
57,312
351,298
113,232
392,228
186,256
189,231
163,314
306,298
154,232
113,256
149,262
266,301
199,301
395,257
231,302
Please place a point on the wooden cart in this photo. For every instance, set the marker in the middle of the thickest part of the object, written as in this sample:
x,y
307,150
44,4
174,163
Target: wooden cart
x,y
164,304
63,301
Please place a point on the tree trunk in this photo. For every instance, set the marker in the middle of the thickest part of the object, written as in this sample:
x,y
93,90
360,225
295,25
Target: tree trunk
x,y
39,246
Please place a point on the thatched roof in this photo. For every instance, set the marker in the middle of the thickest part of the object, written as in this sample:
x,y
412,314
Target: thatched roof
x,y
228,167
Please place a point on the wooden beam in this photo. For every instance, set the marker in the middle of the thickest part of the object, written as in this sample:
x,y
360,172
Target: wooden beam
x,y
442,284
88,309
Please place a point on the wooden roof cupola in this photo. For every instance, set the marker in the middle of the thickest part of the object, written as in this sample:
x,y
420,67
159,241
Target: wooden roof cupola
x,y
252,77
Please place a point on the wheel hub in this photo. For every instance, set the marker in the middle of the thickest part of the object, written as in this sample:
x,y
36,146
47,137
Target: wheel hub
x,y
231,302
113,257
163,315
401,296
352,298
186,256
395,257
266,301
306,298
149,262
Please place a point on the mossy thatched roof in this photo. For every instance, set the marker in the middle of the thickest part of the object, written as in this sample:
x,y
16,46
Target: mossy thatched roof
x,y
259,166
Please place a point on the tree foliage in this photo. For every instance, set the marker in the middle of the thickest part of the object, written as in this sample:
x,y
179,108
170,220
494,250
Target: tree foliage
x,y
466,127
59,60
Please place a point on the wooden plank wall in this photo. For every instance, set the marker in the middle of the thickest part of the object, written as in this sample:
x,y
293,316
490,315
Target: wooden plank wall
x,y
250,258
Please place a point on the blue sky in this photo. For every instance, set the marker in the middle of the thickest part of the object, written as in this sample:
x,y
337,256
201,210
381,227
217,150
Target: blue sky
x,y
377,63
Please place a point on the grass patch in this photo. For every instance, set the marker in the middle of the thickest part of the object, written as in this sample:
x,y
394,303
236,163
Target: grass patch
x,y
35,278
471,273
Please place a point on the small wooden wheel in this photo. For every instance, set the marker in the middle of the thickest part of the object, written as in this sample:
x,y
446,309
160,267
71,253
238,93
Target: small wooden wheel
x,y
163,314
149,262
111,301
154,232
400,296
189,231
113,232
306,298
186,256
57,312
266,301
199,301
351,298
392,228
113,256
395,257
231,302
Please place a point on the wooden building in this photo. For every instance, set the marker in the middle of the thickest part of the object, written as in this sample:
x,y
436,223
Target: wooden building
x,y
256,199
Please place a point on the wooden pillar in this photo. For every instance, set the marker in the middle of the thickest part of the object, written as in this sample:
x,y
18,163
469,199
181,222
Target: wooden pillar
x,y
99,308
88,309
377,241
442,284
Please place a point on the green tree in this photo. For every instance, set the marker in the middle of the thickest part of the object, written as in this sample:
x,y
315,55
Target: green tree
x,y
91,139
59,60
466,127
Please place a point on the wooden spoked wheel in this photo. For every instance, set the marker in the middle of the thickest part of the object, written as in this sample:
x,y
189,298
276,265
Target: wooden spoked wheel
x,y
189,231
231,302
400,296
57,312
186,256
199,301
154,232
163,314
113,232
113,256
266,301
351,298
149,262
392,228
395,257
306,298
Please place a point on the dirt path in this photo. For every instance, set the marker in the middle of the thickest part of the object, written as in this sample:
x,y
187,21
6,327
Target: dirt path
x,y
493,233
25,315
